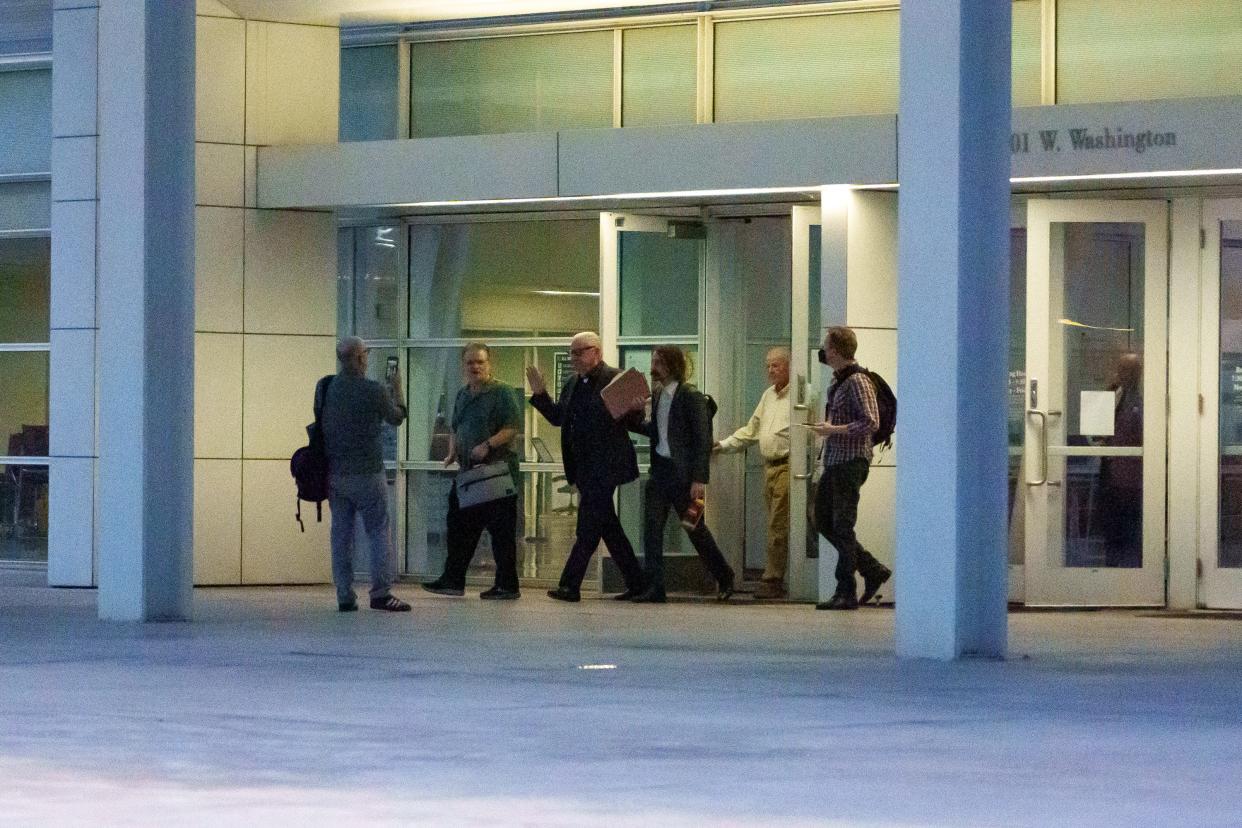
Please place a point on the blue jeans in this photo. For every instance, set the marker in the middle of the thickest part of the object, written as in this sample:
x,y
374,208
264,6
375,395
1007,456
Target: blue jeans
x,y
365,495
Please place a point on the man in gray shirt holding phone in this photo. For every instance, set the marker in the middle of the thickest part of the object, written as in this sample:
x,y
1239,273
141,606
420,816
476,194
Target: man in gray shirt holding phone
x,y
353,409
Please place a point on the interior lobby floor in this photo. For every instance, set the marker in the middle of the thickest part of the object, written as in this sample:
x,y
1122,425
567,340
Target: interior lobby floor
x,y
273,708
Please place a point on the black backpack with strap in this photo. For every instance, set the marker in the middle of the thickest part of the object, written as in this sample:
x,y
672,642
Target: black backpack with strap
x,y
309,464
885,399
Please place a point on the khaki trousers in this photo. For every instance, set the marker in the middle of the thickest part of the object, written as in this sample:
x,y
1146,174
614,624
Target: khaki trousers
x,y
776,496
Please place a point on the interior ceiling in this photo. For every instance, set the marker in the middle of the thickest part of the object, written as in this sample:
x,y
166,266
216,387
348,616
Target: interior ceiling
x,y
377,12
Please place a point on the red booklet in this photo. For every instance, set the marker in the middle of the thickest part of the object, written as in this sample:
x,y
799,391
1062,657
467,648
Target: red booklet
x,y
619,394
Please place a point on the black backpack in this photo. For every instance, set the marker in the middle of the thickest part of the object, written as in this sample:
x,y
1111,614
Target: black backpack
x,y
885,400
309,464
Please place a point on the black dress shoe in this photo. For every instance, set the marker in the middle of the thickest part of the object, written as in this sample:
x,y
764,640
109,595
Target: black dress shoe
x,y
651,595
628,595
725,593
873,582
499,594
840,601
565,594
348,606
441,588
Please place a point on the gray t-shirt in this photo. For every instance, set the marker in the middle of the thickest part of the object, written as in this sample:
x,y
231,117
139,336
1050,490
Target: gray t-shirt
x,y
353,417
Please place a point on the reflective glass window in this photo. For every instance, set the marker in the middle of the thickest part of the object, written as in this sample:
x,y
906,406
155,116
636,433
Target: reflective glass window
x,y
836,64
1230,549
659,284
526,83
23,428
25,27
26,121
25,205
803,67
1102,351
1119,50
659,76
378,278
369,93
481,279
25,267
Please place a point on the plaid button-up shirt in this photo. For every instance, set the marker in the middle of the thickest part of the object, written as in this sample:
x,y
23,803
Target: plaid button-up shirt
x,y
852,405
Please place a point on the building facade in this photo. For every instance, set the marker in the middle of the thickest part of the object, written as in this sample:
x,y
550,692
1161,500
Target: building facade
x,y
723,178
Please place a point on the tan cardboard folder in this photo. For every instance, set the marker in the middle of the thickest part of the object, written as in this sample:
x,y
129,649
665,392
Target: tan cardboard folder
x,y
619,394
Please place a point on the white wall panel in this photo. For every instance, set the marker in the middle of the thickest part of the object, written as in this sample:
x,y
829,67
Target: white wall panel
x,y
73,168
219,171
872,292
71,522
75,68
217,521
877,522
217,395
73,264
214,8
274,551
252,176
280,377
220,79
291,273
71,391
292,83
218,243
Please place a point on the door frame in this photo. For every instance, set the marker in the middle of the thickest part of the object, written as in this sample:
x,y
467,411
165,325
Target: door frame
x,y
1046,581
803,570
1219,588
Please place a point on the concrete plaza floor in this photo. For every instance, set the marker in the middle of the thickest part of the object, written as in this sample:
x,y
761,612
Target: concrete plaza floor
x,y
271,708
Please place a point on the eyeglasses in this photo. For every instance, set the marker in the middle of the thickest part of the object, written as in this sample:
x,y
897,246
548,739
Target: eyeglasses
x,y
581,351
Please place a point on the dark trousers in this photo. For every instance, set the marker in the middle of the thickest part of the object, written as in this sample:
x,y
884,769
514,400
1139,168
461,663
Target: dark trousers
x,y
1121,511
836,512
465,526
597,519
666,489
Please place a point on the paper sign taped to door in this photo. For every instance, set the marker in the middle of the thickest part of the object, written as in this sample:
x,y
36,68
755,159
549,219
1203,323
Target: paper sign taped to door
x,y
1096,413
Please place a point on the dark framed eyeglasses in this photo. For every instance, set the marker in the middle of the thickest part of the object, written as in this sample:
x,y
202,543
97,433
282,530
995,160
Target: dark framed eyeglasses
x,y
581,351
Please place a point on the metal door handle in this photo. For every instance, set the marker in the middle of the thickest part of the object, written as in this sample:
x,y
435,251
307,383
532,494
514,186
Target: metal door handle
x,y
806,476
800,405
1043,447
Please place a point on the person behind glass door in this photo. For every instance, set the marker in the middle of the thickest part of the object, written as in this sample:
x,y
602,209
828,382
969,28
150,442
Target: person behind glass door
x,y
852,416
769,427
1121,478
486,418
680,430
353,409
598,457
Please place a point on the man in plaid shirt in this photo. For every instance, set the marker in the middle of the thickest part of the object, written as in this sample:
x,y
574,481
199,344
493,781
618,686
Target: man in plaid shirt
x,y
852,417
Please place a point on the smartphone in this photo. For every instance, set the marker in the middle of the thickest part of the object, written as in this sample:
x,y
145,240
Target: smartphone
x,y
390,370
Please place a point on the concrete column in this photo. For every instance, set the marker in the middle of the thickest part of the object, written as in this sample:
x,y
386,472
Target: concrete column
x,y
953,266
146,309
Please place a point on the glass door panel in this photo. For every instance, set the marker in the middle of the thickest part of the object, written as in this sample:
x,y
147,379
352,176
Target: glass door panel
x,y
1220,547
653,271
1095,413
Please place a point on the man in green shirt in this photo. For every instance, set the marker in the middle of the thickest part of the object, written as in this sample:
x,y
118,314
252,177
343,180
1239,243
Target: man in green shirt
x,y
486,419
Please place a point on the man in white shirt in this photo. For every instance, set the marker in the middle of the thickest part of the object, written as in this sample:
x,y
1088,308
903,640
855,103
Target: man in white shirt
x,y
769,427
